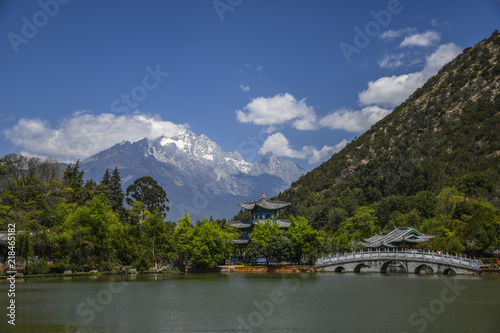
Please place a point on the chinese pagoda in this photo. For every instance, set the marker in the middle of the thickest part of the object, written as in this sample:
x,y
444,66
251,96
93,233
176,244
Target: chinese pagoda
x,y
399,238
259,211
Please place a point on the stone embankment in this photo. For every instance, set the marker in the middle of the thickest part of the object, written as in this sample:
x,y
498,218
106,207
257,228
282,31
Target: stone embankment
x,y
268,269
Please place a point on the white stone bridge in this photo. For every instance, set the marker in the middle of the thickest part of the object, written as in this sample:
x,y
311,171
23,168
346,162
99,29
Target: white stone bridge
x,y
412,261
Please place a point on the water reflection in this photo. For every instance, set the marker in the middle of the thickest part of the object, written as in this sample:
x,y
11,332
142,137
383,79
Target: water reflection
x,y
260,302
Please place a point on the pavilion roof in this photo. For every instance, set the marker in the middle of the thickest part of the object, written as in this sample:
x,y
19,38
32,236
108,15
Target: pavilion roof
x,y
398,235
241,225
247,224
281,223
264,203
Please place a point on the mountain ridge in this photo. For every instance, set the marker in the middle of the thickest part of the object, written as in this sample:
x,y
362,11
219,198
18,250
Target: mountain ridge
x,y
196,173
445,134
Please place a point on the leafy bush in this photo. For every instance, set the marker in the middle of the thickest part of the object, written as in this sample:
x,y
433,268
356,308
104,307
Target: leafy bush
x,y
39,266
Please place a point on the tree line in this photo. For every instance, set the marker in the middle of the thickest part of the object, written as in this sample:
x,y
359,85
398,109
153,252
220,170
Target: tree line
x,y
82,225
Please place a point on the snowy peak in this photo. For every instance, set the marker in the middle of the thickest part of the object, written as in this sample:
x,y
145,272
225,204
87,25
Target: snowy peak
x,y
186,146
197,174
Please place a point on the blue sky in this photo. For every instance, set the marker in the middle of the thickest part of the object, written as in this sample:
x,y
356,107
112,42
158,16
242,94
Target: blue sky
x,y
299,78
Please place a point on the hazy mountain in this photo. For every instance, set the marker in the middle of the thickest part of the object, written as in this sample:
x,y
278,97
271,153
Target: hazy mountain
x,y
194,171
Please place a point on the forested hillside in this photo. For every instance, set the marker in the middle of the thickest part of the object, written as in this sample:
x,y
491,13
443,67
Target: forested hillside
x,y
433,163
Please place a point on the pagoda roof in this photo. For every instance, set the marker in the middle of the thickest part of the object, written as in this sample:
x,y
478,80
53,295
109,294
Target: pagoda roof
x,y
409,235
281,223
241,225
248,224
264,203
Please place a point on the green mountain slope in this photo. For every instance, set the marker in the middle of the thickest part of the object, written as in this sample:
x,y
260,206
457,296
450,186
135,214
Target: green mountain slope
x,y
446,135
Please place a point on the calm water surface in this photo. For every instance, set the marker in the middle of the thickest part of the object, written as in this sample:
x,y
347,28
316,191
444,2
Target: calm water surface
x,y
321,302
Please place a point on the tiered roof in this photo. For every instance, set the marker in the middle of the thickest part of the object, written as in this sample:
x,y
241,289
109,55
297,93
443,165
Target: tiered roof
x,y
248,224
264,203
408,235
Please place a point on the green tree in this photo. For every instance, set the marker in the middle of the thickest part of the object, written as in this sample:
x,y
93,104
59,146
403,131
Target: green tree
x,y
211,244
363,224
279,247
103,186
147,190
183,239
116,195
483,224
89,232
255,250
73,178
29,191
263,231
153,226
447,201
304,238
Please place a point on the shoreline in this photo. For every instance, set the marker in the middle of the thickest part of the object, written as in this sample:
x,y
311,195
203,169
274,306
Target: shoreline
x,y
218,269
268,269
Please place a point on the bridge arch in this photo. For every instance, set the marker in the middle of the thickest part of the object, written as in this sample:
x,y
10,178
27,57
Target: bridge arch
x,y
419,268
339,269
449,270
385,265
359,267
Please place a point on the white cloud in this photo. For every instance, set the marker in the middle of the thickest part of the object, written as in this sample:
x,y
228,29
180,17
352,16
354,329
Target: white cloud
x,y
244,88
391,34
427,38
280,109
436,23
391,60
443,54
84,134
390,91
280,146
352,120
318,156
397,60
250,68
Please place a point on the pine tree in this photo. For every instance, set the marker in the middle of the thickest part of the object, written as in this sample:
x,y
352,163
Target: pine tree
x,y
116,195
74,178
104,184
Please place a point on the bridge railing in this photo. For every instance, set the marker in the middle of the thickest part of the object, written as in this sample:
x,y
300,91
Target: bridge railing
x,y
436,257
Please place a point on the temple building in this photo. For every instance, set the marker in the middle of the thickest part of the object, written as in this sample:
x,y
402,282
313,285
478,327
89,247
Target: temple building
x,y
399,238
258,211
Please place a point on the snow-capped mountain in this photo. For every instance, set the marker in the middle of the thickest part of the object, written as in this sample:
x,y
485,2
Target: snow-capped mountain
x,y
196,174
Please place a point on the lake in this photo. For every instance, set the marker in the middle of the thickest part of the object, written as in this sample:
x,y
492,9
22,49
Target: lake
x,y
216,302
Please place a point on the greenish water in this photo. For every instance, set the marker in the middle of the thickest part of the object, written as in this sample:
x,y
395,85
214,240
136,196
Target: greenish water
x,y
322,302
